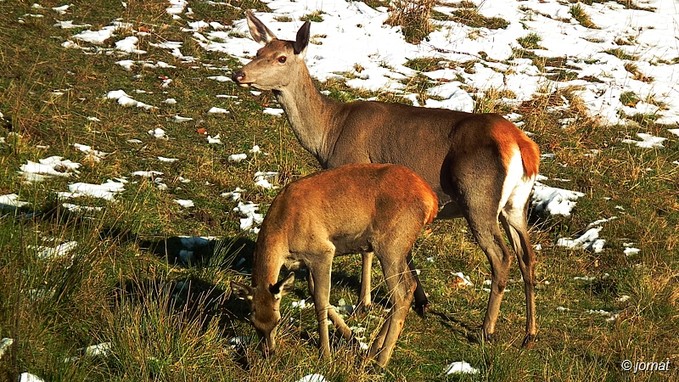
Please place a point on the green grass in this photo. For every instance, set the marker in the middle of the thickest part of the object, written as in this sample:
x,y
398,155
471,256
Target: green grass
x,y
530,41
167,322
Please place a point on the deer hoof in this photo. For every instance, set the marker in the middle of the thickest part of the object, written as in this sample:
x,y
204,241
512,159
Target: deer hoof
x,y
529,341
421,309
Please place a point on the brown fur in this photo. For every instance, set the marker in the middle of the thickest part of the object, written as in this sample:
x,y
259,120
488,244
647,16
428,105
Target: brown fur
x,y
463,156
349,209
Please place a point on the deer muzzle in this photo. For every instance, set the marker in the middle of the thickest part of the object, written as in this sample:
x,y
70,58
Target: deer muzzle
x,y
239,78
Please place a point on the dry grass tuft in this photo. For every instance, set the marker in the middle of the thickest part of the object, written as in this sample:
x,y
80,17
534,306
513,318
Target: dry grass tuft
x,y
413,16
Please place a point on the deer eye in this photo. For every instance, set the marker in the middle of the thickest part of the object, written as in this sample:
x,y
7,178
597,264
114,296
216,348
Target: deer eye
x,y
282,59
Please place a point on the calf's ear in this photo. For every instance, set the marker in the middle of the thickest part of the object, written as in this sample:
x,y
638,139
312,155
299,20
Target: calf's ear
x,y
278,288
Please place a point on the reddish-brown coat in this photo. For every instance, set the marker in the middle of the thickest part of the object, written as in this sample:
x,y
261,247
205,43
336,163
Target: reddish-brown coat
x,y
508,137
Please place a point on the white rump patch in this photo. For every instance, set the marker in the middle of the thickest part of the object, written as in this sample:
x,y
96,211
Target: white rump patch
x,y
516,188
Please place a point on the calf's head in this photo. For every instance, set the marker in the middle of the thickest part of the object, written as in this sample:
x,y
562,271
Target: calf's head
x,y
265,302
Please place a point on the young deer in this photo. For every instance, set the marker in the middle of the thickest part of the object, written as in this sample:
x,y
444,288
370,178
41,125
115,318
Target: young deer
x,y
481,166
349,209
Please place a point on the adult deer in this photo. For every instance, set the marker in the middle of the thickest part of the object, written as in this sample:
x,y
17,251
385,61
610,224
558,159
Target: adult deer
x,y
377,207
481,166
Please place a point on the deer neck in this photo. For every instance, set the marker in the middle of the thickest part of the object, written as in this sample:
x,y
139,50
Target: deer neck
x,y
309,113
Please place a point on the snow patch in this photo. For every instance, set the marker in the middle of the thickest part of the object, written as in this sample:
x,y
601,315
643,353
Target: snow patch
x,y
588,241
460,367
647,141
553,200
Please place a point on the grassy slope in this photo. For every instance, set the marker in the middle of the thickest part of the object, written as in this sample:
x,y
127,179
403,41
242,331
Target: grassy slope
x,y
160,330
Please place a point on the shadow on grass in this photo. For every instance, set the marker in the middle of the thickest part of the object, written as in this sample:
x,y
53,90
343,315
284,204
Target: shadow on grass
x,y
192,297
459,327
193,251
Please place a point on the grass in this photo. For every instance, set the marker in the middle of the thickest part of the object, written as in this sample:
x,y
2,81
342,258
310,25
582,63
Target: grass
x,y
414,18
530,41
472,18
581,16
173,322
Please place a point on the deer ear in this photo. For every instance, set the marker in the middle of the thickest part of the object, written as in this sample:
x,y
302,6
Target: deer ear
x,y
302,40
278,288
260,33
243,291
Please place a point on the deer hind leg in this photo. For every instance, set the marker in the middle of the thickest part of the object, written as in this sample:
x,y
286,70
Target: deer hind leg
x,y
489,237
421,300
514,222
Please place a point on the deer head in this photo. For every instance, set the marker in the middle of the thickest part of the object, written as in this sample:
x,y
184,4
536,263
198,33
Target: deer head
x,y
276,62
265,305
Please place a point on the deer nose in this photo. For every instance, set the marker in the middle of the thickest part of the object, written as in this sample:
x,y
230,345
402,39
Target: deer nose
x,y
238,77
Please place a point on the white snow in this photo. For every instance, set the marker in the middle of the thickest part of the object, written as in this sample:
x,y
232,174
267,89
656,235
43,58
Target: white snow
x,y
94,155
179,118
102,349
129,45
157,133
301,304
47,167
61,250
125,100
273,111
250,218
553,200
460,367
28,377
236,158
78,208
5,343
313,378
11,200
218,110
106,190
629,251
147,173
61,9
68,24
98,37
589,241
220,78
647,141
262,179
216,140
234,195
610,315
177,7
185,203
462,280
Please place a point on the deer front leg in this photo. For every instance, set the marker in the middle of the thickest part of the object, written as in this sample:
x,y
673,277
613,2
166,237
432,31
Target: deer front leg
x,y
336,319
364,298
320,276
401,286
